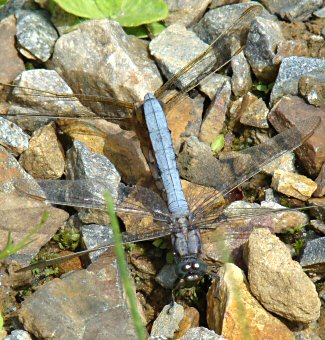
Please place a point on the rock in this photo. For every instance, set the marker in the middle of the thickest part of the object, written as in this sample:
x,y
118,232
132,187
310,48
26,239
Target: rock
x,y
289,48
253,112
82,164
11,64
269,260
18,334
94,235
318,226
291,70
241,79
234,313
167,276
36,35
174,48
37,104
285,162
293,185
320,181
213,83
202,334
167,323
44,158
289,111
215,21
185,12
191,319
293,10
262,42
13,5
320,13
12,137
126,72
313,89
313,257
79,305
214,119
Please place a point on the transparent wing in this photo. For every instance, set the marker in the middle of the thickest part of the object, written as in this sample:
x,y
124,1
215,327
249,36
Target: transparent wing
x,y
226,174
217,55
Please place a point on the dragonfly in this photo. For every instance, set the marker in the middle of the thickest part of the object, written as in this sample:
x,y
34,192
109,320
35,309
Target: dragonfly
x,y
182,223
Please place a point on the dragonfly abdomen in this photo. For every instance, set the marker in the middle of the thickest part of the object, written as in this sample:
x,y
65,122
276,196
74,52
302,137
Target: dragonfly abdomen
x,y
165,156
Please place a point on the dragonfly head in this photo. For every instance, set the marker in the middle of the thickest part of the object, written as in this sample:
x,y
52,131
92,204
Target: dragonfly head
x,y
190,269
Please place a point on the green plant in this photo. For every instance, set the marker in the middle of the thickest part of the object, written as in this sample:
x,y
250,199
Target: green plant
x,y
218,143
68,238
122,267
298,245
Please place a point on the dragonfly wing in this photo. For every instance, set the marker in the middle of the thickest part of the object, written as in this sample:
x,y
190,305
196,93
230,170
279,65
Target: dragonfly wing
x,y
226,174
213,58
126,239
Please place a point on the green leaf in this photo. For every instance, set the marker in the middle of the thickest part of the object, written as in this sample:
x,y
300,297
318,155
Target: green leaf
x,y
218,144
3,2
155,28
128,13
138,31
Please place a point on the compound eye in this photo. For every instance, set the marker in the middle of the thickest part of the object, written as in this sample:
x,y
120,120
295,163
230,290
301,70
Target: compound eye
x,y
187,267
195,265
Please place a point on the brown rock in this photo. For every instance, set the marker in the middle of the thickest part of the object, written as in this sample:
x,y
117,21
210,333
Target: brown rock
x,y
11,64
313,89
44,159
191,319
278,282
293,185
234,312
290,110
215,117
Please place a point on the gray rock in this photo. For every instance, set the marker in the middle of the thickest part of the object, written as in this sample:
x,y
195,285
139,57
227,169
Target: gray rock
x,y
320,181
12,6
271,271
320,13
217,20
291,70
174,48
18,334
202,334
167,321
318,225
79,305
292,10
241,79
185,12
34,103
313,257
213,83
121,68
12,137
100,176
94,235
36,35
262,42
167,276
285,162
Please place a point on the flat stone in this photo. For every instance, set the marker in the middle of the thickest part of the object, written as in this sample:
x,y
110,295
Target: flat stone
x,y
293,185
292,10
167,322
291,70
262,42
202,334
313,257
126,72
313,89
320,13
320,181
289,111
233,310
318,225
285,162
215,116
11,63
44,158
212,84
79,305
272,271
241,79
253,112
12,137
185,12
174,48
36,35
